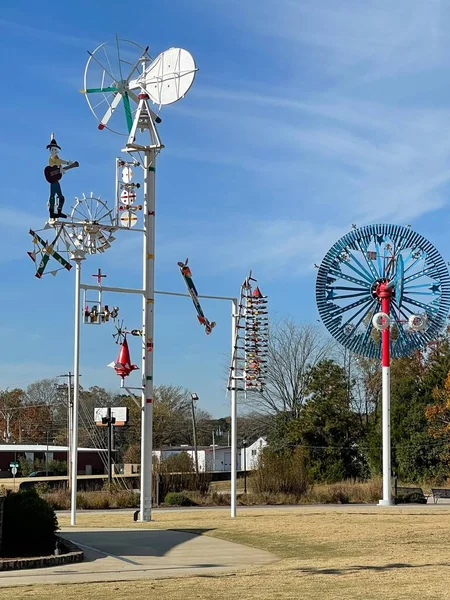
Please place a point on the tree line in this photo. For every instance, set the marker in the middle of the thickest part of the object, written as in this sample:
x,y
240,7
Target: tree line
x,y
328,401
318,397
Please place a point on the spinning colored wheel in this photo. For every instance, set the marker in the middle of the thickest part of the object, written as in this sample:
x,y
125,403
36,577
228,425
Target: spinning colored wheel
x,y
381,266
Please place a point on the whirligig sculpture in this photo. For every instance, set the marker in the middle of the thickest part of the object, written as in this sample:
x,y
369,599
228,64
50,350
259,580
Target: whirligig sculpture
x,y
383,291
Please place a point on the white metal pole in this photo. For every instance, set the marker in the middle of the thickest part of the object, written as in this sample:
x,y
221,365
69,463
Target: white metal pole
x,y
148,285
76,390
214,452
386,425
234,312
69,432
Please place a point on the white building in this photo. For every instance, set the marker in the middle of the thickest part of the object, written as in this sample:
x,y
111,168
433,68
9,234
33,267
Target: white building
x,y
250,455
218,458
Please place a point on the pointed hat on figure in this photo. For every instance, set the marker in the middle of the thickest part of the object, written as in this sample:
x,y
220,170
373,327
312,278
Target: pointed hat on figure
x,y
123,366
53,143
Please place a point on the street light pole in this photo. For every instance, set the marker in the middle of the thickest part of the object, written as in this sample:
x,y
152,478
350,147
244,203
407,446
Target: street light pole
x,y
194,397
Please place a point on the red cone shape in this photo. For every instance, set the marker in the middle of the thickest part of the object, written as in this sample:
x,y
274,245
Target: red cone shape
x,y
123,366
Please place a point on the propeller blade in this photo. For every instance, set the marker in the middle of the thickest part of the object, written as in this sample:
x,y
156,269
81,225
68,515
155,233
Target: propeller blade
x,y
109,112
128,115
97,90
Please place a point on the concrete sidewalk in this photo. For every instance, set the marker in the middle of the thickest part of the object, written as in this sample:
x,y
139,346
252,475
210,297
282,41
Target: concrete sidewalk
x,y
125,554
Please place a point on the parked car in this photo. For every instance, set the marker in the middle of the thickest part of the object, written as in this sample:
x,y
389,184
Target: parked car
x,y
42,474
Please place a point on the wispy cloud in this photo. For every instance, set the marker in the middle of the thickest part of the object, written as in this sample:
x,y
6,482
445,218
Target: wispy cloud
x,y
380,37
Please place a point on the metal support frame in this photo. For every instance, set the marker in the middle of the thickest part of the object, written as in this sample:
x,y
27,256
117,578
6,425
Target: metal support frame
x,y
234,314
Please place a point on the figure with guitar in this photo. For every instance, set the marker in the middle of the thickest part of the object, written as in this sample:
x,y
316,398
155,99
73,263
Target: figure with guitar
x,y
53,173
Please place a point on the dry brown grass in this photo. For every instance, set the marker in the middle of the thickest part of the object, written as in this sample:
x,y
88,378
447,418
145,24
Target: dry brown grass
x,y
369,553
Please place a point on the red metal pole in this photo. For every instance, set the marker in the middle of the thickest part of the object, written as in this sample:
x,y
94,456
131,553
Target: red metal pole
x,y
385,334
384,294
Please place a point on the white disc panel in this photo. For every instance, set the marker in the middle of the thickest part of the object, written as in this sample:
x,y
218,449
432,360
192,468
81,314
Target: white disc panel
x,y
127,197
127,174
169,77
128,219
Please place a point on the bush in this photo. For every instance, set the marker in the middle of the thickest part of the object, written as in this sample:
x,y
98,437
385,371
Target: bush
x,y
281,472
29,525
413,498
178,499
177,463
60,499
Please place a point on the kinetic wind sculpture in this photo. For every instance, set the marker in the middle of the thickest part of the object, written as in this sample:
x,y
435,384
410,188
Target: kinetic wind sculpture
x,y
53,174
187,276
382,291
123,365
249,361
163,80
88,230
95,312
126,193
112,78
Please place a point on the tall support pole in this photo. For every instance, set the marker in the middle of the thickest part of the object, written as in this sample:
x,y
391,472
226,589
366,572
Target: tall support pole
x,y
148,285
385,295
234,313
76,393
109,423
194,434
69,432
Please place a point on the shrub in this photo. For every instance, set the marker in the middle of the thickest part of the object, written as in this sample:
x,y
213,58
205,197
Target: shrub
x,y
29,525
178,499
413,498
177,463
281,472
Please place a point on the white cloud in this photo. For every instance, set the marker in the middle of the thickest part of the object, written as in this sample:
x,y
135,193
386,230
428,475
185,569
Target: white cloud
x,y
379,37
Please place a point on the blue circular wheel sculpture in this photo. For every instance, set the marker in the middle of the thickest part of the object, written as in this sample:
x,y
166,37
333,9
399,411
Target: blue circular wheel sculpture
x,y
389,257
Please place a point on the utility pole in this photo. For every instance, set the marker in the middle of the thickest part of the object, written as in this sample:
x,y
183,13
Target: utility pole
x,y
109,421
214,451
69,375
194,430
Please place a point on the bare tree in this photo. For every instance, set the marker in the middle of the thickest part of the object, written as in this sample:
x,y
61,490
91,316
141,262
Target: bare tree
x,y
293,349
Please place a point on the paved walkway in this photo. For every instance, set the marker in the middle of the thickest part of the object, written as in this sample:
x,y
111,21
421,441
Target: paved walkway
x,y
125,554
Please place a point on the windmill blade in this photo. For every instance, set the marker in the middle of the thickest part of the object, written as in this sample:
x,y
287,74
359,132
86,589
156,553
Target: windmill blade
x,y
108,114
128,115
100,90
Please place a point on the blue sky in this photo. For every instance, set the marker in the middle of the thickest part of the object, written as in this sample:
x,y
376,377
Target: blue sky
x,y
305,117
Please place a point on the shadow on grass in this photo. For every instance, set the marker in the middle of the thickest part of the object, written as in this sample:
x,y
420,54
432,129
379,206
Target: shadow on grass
x,y
357,568
131,543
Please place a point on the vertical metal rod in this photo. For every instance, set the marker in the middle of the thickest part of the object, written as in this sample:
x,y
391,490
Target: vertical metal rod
x,y
245,468
46,456
108,416
194,433
148,285
234,312
214,452
76,390
69,432
386,405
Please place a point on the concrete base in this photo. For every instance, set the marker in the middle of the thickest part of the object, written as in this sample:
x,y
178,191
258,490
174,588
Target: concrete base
x,y
386,502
